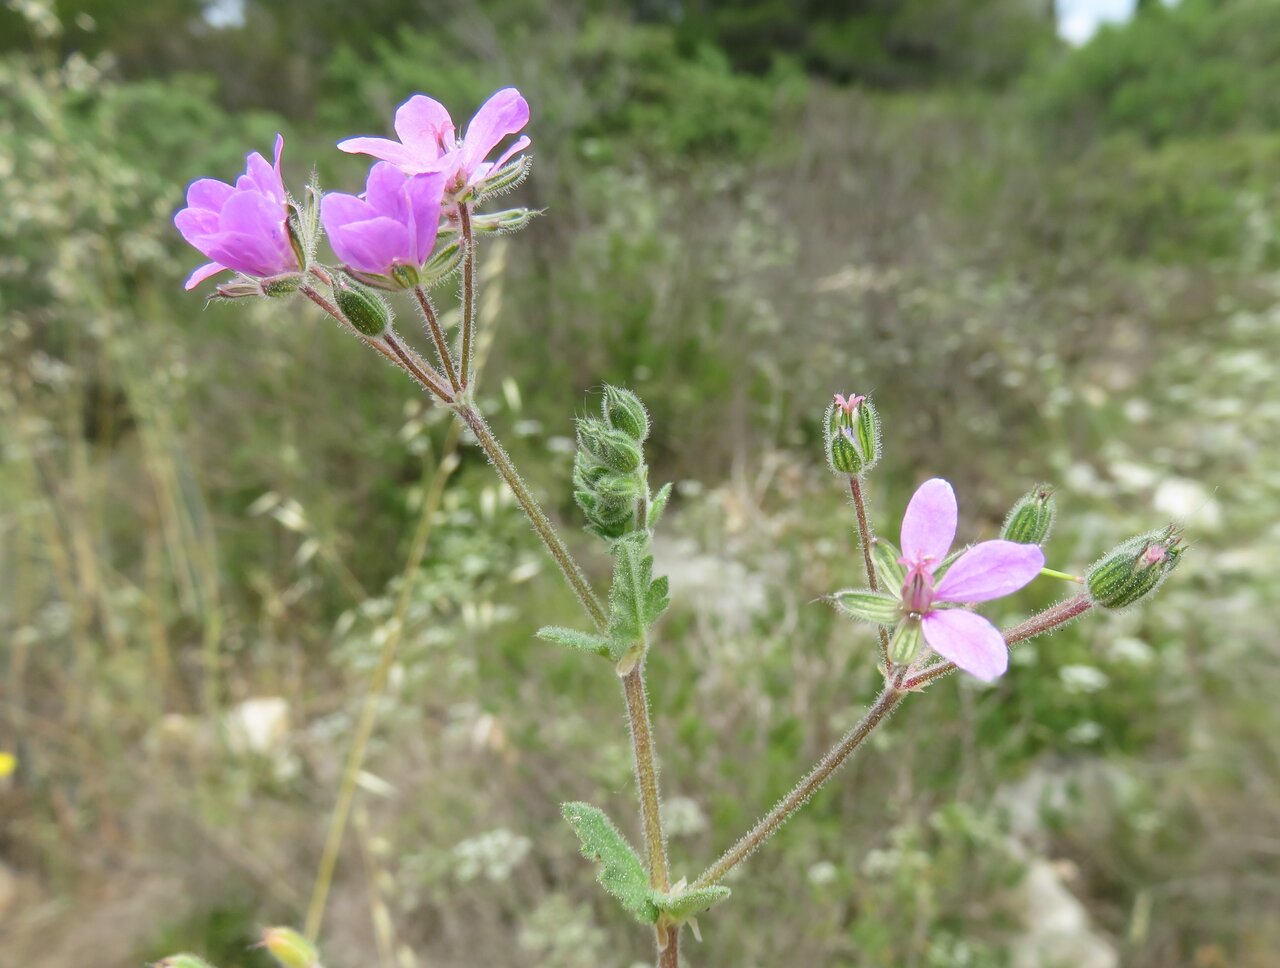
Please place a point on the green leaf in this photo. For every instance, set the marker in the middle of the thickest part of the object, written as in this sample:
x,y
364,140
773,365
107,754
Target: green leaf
x,y
683,905
621,873
573,639
868,606
656,506
656,600
885,557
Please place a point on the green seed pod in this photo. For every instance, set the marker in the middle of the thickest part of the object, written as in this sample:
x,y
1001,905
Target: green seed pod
x,y
612,448
363,307
1134,568
852,435
290,949
281,285
406,277
623,411
1031,519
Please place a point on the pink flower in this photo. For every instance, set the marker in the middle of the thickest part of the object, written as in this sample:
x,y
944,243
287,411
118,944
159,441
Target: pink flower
x,y
394,224
429,143
244,227
988,570
850,404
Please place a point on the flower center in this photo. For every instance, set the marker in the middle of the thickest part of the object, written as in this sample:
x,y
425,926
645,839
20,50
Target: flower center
x,y
917,586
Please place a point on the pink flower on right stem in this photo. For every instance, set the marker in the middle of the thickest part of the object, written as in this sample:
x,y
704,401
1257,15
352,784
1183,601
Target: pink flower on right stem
x,y
988,570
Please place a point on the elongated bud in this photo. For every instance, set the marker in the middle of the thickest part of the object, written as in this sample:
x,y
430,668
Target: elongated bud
x,y
363,307
852,432
1134,568
906,640
624,411
182,961
612,448
1031,519
291,949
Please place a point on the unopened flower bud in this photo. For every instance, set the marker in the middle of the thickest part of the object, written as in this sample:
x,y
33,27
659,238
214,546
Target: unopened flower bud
x,y
363,307
852,430
405,276
612,448
291,949
624,411
1134,568
1031,519
182,961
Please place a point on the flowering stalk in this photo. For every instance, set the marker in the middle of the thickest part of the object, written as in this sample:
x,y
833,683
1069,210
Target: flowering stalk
x,y
865,538
437,336
468,286
893,693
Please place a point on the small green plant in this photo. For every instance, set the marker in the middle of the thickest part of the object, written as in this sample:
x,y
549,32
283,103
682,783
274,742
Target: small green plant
x,y
418,224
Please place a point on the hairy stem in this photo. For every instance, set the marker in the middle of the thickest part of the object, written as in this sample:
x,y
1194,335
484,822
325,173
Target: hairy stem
x,y
537,517
468,287
769,824
437,336
417,367
669,953
865,537
646,778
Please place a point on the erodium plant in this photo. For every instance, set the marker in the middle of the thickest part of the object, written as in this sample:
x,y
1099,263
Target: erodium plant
x,y
416,226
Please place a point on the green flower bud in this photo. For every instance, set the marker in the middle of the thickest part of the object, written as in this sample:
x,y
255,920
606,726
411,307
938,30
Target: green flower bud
x,y
182,961
406,277
1134,568
291,949
624,411
852,430
612,448
1031,519
363,307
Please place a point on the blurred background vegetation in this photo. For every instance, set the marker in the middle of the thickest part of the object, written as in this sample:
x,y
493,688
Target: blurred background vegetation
x,y
1047,262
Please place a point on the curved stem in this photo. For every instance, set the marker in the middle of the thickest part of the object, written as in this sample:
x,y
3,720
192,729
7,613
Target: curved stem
x,y
892,694
537,517
865,538
417,367
468,287
437,336
769,824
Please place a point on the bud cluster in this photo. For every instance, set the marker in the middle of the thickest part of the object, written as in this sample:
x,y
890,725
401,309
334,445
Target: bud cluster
x,y
1134,568
852,435
609,473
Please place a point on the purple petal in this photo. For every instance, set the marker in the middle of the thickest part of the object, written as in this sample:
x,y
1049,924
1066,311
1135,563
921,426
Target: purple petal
x,y
337,210
196,224
517,146
261,177
202,273
506,112
929,526
208,193
279,152
423,123
372,246
968,640
385,192
424,194
990,570
380,148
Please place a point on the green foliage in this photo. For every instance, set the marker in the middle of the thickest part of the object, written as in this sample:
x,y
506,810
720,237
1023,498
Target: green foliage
x,y
621,873
573,639
657,504
636,598
885,555
1194,68
681,906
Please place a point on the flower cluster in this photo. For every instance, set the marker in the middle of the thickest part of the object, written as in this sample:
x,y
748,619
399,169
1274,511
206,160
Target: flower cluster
x,y
421,187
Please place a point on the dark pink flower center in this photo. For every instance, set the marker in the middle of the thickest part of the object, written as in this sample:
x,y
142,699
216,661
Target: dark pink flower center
x,y
917,586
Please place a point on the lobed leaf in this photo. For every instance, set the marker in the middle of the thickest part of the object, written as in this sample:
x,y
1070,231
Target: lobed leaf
x,y
621,873
573,639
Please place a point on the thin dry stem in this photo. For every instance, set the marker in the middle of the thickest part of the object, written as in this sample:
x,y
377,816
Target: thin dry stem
x,y
865,538
437,336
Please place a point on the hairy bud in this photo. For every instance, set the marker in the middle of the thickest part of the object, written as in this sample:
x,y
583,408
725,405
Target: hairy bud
x,y
623,411
614,449
906,640
290,949
363,307
1134,568
852,435
1031,519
